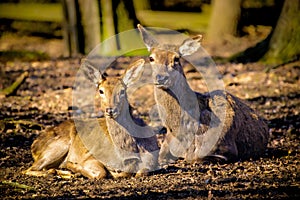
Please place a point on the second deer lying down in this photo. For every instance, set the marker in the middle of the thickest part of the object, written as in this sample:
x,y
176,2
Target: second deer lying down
x,y
117,144
187,114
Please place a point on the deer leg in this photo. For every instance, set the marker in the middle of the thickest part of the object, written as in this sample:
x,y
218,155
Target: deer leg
x,y
226,151
165,155
90,169
48,158
142,172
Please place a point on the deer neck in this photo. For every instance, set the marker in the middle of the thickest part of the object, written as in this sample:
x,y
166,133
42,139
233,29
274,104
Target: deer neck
x,y
119,131
125,126
124,119
179,112
178,97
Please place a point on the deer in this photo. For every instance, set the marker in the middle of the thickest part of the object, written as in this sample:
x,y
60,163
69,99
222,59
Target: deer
x,y
193,119
118,145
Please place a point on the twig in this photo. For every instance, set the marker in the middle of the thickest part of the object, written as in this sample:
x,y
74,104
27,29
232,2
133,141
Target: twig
x,y
14,87
17,185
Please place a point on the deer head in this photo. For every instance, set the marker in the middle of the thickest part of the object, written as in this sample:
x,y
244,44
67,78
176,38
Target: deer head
x,y
165,59
112,90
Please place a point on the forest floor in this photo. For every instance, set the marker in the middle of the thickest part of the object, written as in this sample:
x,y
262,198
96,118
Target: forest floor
x,y
45,99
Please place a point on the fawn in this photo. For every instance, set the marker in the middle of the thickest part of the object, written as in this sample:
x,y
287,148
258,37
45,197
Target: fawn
x,y
120,146
189,115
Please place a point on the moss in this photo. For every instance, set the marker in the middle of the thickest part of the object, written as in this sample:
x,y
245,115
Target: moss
x,y
22,56
285,42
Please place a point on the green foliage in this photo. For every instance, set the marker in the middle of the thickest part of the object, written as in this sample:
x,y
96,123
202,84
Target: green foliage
x,y
32,11
22,55
195,22
138,52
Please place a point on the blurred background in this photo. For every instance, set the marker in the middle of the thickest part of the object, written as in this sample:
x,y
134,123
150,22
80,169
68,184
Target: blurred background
x,y
234,30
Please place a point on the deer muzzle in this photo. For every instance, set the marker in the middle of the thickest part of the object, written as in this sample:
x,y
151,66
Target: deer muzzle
x,y
161,81
112,112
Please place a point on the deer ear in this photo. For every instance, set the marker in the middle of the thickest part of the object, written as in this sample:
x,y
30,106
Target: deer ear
x,y
91,73
134,72
190,46
147,37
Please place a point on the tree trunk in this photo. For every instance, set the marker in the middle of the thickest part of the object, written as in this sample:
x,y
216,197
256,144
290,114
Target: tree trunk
x,y
90,21
70,28
108,26
124,18
284,44
224,20
117,16
124,15
107,19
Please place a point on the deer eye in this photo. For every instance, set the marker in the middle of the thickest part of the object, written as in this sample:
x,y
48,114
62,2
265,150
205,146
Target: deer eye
x,y
176,60
101,91
151,59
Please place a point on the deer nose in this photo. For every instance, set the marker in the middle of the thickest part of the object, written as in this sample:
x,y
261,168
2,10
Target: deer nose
x,y
109,111
112,112
161,79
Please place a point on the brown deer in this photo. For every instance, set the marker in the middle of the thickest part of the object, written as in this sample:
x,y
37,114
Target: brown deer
x,y
193,120
118,145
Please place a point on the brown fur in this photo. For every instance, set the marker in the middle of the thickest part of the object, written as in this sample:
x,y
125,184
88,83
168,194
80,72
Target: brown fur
x,y
63,147
243,133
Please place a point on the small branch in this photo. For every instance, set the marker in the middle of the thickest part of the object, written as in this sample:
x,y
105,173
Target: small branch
x,y
14,87
17,185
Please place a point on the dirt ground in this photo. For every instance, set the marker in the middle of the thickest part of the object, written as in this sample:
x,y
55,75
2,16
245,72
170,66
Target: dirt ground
x,y
44,99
